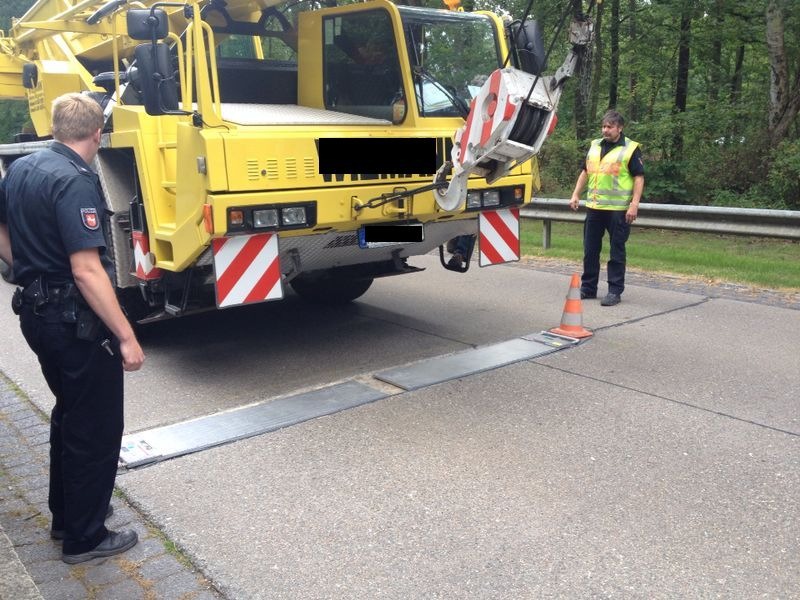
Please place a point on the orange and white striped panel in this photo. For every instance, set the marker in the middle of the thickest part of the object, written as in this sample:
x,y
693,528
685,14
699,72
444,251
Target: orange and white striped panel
x,y
142,259
499,236
491,108
247,269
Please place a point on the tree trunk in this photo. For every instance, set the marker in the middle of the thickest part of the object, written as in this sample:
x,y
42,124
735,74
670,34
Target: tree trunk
x,y
736,80
613,69
715,75
784,99
682,83
598,62
584,76
633,76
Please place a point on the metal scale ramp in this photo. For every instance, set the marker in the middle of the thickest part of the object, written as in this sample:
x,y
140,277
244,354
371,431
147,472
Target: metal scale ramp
x,y
178,439
213,430
476,360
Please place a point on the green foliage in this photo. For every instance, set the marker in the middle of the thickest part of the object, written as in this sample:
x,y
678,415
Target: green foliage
x,y
725,157
560,161
666,183
13,118
780,189
13,113
12,8
733,199
783,180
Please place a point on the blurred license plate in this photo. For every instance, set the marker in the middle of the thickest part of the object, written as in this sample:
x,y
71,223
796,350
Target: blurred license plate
x,y
378,236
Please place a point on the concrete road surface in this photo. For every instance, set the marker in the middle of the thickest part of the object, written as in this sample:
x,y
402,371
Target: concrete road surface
x,y
658,459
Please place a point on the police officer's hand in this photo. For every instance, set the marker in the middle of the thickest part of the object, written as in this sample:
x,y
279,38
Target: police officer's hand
x,y
132,354
574,202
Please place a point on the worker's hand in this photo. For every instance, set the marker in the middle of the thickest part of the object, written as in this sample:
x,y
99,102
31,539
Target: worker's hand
x,y
574,202
632,213
132,354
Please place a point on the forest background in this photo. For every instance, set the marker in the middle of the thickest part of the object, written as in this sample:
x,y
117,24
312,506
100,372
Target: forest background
x,y
710,88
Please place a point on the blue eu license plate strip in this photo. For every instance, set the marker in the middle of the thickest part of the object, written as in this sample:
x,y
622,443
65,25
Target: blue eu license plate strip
x,y
379,236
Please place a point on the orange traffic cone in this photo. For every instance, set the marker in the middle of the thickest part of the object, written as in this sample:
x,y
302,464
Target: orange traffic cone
x,y
572,319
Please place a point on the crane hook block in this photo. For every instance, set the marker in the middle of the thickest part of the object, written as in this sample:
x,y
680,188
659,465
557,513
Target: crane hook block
x,y
507,124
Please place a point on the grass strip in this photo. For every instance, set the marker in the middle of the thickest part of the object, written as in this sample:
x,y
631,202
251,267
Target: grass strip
x,y
752,261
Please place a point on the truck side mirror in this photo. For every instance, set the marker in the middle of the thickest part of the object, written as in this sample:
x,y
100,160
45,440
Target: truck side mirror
x,y
30,76
147,24
528,47
156,79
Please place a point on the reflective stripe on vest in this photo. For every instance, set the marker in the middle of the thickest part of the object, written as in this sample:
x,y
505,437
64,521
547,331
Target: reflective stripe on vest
x,y
610,184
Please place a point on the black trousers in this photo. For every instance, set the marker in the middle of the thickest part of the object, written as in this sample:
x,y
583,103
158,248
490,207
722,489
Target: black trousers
x,y
85,425
594,228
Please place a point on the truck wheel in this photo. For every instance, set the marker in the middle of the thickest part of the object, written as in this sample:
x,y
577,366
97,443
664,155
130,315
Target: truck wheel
x,y
6,273
330,290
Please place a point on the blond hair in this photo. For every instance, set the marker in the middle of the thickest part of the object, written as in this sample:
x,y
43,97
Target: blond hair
x,y
76,117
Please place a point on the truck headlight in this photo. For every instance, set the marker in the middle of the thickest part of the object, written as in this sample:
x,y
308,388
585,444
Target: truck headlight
x,y
265,217
473,199
293,215
491,198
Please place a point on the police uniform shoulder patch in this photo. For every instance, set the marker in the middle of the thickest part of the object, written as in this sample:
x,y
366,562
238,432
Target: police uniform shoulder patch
x,y
90,218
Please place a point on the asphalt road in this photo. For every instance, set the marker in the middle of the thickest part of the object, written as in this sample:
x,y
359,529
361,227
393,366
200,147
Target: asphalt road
x,y
658,459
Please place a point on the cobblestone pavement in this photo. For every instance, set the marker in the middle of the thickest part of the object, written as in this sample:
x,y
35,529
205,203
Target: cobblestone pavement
x,y
148,571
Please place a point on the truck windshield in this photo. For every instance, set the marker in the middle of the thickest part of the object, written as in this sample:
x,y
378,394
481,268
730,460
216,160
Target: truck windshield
x,y
451,55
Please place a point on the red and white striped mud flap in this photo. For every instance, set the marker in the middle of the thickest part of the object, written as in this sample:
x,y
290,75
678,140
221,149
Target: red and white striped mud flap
x,y
143,260
247,269
498,236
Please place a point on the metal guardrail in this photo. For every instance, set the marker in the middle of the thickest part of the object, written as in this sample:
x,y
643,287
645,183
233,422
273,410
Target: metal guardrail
x,y
706,219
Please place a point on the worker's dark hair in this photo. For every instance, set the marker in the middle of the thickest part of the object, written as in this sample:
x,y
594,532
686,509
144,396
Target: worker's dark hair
x,y
614,118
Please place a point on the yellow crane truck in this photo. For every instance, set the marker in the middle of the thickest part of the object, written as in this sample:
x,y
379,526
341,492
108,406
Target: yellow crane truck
x,y
250,144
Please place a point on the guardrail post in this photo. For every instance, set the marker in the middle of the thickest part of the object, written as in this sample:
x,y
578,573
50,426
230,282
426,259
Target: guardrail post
x,y
547,230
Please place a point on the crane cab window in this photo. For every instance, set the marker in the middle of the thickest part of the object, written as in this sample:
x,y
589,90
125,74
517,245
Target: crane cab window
x,y
253,69
451,54
361,66
238,46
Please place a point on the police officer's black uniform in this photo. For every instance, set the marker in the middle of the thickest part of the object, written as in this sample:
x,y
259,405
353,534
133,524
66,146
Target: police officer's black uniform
x,y
53,206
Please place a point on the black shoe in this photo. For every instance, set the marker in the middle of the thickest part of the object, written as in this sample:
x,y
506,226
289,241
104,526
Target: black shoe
x,y
116,542
588,296
58,534
610,300
456,261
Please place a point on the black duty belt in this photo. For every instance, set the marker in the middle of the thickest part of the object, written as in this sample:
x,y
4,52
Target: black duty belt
x,y
58,295
36,294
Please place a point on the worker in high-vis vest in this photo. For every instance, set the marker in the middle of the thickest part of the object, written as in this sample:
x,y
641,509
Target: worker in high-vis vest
x,y
613,176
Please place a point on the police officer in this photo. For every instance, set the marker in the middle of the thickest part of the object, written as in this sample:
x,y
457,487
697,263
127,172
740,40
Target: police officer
x,y
614,176
51,231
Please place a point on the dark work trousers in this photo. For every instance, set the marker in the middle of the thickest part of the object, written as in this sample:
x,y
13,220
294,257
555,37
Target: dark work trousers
x,y
594,227
85,424
464,244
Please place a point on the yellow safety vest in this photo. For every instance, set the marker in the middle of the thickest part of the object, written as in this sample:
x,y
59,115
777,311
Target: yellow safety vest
x,y
610,184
